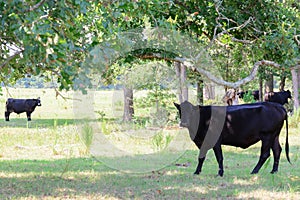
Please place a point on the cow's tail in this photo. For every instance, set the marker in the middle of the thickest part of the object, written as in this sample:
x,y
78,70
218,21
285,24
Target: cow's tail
x,y
287,148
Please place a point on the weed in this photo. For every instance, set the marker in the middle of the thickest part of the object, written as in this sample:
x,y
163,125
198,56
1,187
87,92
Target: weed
x,y
160,141
106,128
87,134
101,114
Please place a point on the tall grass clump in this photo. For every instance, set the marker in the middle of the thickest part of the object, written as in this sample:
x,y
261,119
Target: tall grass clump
x,y
161,141
87,134
56,137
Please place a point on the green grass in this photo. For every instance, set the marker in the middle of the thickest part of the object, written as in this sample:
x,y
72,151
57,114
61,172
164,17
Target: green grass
x,y
47,159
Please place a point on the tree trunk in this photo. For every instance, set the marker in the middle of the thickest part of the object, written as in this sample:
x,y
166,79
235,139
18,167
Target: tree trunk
x,y
269,86
182,90
179,90
260,91
282,83
296,84
209,91
185,91
128,104
200,86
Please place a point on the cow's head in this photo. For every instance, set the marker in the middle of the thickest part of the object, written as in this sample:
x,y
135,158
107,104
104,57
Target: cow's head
x,y
38,101
285,96
288,93
188,113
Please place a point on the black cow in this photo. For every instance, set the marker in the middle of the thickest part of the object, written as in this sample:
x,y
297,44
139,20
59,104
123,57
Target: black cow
x,y
254,93
239,126
21,105
278,97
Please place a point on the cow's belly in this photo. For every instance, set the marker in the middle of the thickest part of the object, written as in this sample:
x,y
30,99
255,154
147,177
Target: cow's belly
x,y
18,111
240,140
241,144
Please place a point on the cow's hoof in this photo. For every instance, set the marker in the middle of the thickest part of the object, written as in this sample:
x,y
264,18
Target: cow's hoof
x,y
221,173
196,173
253,172
274,172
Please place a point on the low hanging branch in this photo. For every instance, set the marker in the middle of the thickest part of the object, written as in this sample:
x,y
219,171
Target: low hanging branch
x,y
190,64
237,83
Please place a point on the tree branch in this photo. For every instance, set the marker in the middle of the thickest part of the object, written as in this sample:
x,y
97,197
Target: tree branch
x,y
10,58
190,64
297,40
220,17
36,6
236,84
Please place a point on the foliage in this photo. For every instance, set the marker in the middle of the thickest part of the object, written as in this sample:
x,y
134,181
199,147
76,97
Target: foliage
x,y
53,38
248,97
47,38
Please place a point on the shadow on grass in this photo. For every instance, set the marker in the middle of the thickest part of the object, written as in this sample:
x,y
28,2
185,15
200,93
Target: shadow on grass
x,y
88,178
23,123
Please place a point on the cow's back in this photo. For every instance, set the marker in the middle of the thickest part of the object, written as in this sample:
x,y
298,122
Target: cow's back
x,y
16,105
245,124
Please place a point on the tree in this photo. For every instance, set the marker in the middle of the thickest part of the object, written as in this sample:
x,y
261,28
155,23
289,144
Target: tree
x,y
46,38
53,38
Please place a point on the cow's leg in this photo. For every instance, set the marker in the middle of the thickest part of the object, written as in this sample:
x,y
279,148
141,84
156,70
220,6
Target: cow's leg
x,y
7,115
199,167
28,116
264,154
276,148
219,157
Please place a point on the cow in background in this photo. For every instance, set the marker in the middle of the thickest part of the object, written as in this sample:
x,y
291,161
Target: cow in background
x,y
278,97
254,93
21,105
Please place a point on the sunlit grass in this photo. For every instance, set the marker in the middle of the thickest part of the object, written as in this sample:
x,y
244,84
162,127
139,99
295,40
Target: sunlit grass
x,y
46,159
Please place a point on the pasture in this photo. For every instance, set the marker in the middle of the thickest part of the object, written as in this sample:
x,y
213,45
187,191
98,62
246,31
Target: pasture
x,y
53,157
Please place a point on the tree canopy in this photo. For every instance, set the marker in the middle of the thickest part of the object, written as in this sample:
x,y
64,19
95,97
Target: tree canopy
x,y
55,38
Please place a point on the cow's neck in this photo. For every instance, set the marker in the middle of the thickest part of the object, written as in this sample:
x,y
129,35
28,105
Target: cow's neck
x,y
199,131
194,122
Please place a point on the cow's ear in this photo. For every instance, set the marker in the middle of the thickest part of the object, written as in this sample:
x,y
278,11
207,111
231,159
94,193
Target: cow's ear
x,y
38,98
176,105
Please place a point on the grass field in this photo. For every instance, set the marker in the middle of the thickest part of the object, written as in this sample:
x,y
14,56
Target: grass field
x,y
48,158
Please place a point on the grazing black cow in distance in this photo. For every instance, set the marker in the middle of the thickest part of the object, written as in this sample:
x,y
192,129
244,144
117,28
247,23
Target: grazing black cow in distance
x,y
239,126
21,105
254,93
278,97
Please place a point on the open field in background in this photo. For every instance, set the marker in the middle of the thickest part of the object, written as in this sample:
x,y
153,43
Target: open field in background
x,y
47,158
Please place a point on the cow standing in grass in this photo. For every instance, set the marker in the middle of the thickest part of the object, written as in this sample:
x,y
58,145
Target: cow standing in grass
x,y
21,105
239,126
